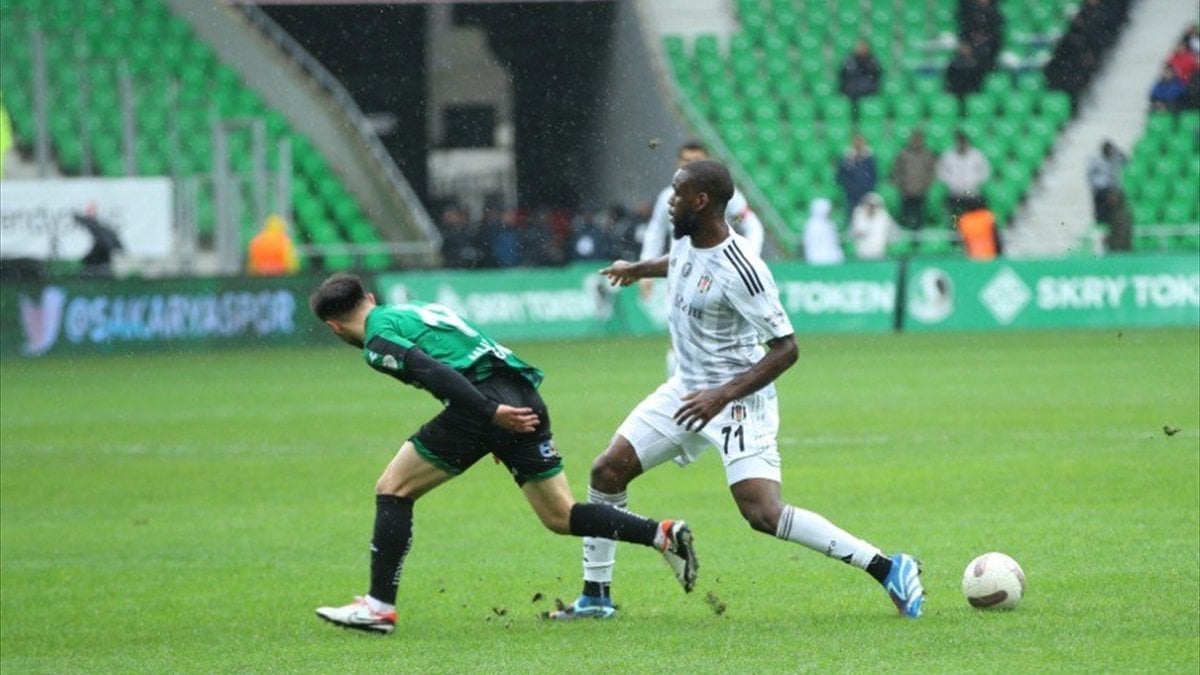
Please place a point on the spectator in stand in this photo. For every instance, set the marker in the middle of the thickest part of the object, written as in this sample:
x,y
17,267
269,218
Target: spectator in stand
x,y
857,174
1104,176
1074,60
504,231
105,245
913,172
590,238
1169,92
963,74
963,169
861,73
1120,222
623,229
1186,57
7,139
1186,62
460,239
542,243
1080,51
871,228
271,251
977,228
981,26
821,242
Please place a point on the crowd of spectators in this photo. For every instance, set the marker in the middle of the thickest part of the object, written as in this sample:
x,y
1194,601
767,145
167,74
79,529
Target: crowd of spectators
x,y
1178,87
1080,51
507,238
541,237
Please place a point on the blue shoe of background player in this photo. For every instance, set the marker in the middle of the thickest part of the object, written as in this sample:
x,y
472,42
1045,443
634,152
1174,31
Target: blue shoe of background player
x,y
585,607
903,585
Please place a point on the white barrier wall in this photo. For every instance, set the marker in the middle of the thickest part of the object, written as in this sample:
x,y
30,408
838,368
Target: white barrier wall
x,y
36,216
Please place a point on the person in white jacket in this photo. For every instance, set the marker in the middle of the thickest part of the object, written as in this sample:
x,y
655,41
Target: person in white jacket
x,y
871,228
821,244
963,168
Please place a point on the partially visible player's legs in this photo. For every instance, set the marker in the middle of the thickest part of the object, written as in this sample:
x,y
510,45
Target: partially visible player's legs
x,y
612,472
552,500
760,504
407,477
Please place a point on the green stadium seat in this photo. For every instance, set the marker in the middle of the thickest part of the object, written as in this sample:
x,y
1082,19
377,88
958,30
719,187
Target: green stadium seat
x,y
1033,82
1177,212
1018,105
834,110
1056,106
997,84
942,106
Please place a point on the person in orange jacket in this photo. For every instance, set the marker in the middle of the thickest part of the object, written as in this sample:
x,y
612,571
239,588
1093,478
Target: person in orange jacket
x,y
977,227
271,251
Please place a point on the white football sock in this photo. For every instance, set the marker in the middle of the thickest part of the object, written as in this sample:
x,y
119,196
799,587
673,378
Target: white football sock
x,y
378,606
599,555
816,532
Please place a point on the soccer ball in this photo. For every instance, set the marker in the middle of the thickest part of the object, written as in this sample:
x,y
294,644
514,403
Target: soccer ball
x,y
993,581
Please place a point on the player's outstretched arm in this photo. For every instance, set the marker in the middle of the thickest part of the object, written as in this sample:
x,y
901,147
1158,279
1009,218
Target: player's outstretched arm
x,y
701,406
622,272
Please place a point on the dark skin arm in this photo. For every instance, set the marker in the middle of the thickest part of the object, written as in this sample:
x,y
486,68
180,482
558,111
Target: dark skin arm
x,y
703,405
622,273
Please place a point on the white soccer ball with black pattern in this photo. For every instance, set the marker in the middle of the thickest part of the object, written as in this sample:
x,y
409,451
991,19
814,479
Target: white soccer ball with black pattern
x,y
993,581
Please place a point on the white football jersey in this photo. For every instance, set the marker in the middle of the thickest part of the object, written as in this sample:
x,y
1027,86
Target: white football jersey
x,y
738,215
723,304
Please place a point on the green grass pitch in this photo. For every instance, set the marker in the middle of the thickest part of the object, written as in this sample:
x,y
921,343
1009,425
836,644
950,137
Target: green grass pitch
x,y
186,513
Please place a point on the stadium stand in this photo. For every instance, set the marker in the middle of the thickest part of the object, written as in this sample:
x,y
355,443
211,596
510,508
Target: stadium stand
x,y
85,45
1162,183
772,94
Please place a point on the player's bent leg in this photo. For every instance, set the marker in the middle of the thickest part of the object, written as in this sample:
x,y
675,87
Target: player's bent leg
x,y
410,475
551,500
761,506
407,477
616,467
759,503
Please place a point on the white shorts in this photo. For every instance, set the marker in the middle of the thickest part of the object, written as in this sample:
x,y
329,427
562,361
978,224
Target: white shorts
x,y
744,433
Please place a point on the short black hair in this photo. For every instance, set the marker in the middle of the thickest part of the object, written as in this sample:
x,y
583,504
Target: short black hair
x,y
711,177
337,296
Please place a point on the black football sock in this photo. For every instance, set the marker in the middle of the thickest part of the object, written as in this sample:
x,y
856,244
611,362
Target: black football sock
x,y
879,568
596,589
389,545
608,522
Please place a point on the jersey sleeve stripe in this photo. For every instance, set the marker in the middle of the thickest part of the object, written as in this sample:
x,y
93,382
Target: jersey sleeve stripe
x,y
381,345
746,280
745,269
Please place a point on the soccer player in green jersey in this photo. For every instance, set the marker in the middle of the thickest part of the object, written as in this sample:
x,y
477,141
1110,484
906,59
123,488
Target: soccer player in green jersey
x,y
492,406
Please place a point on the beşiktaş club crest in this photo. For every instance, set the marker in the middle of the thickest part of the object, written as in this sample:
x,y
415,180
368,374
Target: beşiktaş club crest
x,y
704,284
738,412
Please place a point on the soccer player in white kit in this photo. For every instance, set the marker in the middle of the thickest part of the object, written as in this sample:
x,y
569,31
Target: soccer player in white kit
x,y
657,237
723,306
